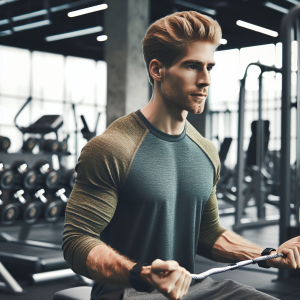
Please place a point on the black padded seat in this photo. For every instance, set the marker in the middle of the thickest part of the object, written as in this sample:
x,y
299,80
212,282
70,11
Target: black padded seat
x,y
84,293
77,293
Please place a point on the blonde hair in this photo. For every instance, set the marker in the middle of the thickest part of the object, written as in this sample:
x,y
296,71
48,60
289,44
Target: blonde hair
x,y
167,37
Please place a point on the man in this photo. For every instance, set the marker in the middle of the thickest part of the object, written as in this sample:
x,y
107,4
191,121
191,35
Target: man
x,y
147,185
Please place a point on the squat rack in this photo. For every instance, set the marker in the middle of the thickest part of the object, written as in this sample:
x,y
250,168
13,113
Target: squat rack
x,y
290,30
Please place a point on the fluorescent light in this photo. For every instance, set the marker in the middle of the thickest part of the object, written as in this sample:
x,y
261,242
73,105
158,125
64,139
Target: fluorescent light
x,y
223,42
276,7
294,2
5,32
2,2
30,15
4,21
102,38
197,7
70,5
87,10
32,25
68,35
257,28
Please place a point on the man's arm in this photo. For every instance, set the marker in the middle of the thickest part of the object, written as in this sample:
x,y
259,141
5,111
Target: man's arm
x,y
230,248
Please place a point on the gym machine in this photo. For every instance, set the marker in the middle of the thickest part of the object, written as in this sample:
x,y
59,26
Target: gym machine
x,y
259,170
290,30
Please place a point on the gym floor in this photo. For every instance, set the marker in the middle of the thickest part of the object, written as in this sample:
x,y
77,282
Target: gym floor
x,y
264,280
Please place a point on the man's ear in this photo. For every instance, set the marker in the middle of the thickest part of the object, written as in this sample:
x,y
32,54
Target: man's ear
x,y
156,69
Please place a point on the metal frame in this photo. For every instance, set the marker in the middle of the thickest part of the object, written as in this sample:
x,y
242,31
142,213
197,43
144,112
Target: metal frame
x,y
287,32
240,222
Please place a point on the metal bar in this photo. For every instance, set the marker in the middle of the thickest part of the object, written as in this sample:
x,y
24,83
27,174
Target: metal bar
x,y
259,197
240,154
285,172
9,239
10,283
297,187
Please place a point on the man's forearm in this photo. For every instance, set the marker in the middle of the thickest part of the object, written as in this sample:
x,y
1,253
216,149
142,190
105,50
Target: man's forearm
x,y
106,265
231,248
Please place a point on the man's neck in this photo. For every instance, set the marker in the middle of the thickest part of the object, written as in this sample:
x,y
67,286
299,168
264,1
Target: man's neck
x,y
164,115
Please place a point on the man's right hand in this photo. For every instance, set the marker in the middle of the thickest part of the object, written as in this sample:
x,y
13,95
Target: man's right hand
x,y
168,278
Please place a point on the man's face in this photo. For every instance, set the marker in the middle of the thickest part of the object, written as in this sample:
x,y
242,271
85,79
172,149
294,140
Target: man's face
x,y
186,82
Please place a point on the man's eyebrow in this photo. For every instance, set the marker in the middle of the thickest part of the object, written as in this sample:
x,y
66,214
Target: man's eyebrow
x,y
197,62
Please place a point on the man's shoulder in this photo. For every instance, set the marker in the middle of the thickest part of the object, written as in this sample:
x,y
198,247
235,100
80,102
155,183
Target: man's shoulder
x,y
120,138
205,144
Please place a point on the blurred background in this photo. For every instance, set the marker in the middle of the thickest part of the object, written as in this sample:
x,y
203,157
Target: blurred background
x,y
69,68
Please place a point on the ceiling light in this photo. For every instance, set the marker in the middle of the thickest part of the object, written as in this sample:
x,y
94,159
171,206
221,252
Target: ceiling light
x,y
87,10
294,2
68,35
4,21
32,25
102,38
70,5
197,7
276,7
223,42
257,28
2,2
5,32
30,15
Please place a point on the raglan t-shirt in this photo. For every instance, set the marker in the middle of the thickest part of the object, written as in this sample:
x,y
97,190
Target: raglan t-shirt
x,y
147,194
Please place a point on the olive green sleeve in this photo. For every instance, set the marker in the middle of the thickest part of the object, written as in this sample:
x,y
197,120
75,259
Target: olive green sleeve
x,y
210,229
91,206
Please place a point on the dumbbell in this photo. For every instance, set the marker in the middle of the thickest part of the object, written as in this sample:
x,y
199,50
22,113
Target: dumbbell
x,y
9,212
49,145
63,145
4,143
48,177
25,176
29,210
50,209
67,179
29,144
60,194
7,178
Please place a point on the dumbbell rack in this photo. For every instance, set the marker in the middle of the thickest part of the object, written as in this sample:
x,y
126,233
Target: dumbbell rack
x,y
40,259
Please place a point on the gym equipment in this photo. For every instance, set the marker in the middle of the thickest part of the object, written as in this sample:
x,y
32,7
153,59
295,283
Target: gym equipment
x,y
234,266
29,144
63,145
49,178
9,212
290,30
44,125
49,145
261,219
4,143
29,210
67,179
87,134
84,293
7,178
50,209
27,178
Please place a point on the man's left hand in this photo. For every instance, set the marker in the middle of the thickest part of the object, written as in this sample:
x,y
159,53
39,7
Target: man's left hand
x,y
291,251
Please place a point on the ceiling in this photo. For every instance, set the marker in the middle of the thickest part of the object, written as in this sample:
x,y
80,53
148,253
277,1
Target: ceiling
x,y
55,13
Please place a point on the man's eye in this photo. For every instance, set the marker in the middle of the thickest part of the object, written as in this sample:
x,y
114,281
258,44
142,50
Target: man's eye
x,y
209,68
192,66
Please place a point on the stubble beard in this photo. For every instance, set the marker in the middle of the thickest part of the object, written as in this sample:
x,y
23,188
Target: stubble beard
x,y
183,99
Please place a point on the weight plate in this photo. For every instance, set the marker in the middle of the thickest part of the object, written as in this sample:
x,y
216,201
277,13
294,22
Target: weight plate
x,y
31,213
7,179
9,214
53,211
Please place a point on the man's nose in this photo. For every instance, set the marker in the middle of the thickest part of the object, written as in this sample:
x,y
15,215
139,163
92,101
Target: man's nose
x,y
203,78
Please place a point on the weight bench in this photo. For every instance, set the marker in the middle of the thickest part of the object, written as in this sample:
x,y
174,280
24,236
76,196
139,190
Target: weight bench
x,y
84,293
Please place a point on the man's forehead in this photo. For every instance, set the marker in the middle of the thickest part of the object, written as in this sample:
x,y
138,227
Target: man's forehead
x,y
201,51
